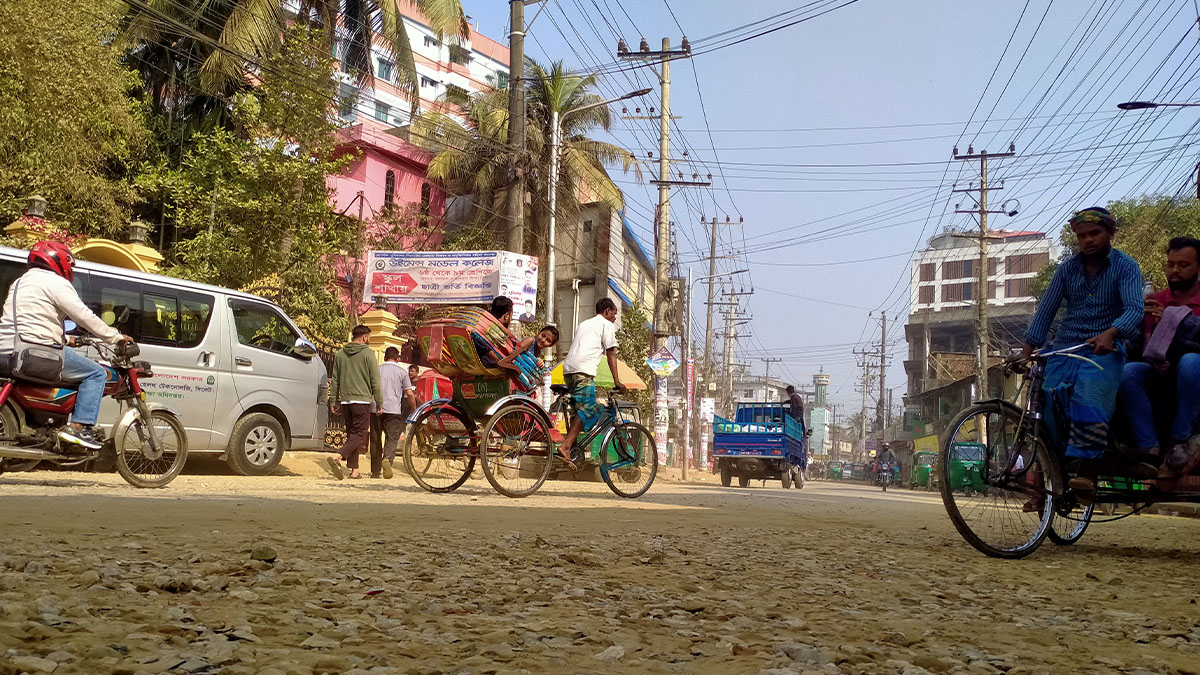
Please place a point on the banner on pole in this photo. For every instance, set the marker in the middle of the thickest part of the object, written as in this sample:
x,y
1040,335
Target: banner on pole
x,y
453,277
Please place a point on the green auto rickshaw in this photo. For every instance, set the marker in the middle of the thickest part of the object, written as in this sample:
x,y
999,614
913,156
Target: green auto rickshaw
x,y
834,472
922,470
966,461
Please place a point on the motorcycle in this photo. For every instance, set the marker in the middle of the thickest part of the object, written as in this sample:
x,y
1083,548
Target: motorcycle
x,y
149,442
884,475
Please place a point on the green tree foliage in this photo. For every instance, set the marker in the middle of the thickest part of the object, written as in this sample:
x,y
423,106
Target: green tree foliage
x,y
633,346
251,203
1145,226
68,130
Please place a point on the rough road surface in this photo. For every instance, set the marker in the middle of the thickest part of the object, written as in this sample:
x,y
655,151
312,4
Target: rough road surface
x,y
301,574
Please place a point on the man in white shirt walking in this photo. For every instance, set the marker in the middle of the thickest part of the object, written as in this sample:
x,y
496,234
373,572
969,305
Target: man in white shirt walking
x,y
398,393
594,339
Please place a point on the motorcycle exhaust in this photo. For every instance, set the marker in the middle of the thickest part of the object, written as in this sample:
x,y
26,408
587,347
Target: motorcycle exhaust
x,y
9,452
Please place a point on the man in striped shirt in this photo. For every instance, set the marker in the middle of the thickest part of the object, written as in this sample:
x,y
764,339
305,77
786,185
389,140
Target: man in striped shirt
x,y
1100,291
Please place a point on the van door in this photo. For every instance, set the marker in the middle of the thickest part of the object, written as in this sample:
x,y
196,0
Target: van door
x,y
264,367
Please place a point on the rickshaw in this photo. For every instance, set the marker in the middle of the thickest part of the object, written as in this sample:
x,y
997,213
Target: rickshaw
x,y
922,468
490,418
1024,495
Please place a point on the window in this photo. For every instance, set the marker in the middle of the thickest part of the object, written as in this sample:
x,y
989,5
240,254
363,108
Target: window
x,y
991,289
957,292
748,394
385,69
641,293
928,271
587,226
459,55
389,190
958,269
925,295
1027,263
156,314
502,79
992,267
426,197
347,98
382,110
262,327
1017,288
627,270
428,82
432,42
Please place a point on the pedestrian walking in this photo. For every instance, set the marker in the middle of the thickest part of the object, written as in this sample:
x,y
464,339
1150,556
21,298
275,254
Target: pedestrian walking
x,y
398,401
353,387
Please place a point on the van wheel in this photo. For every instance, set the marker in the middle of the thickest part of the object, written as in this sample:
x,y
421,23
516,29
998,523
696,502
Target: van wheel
x,y
257,445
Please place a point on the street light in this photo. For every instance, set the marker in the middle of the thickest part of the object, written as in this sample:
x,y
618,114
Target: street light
x,y
1143,105
555,141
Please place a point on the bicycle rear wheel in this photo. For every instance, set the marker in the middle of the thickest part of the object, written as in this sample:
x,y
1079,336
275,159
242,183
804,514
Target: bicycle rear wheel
x,y
998,480
1066,530
438,451
515,450
630,460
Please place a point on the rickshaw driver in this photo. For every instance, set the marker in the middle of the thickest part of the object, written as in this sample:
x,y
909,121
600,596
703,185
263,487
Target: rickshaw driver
x,y
1102,289
594,339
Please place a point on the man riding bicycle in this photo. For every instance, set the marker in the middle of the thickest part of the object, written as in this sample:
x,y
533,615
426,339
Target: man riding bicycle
x,y
37,303
593,339
1102,291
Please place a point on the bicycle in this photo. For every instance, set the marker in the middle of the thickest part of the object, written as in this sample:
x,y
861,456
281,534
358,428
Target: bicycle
x,y
1002,483
628,457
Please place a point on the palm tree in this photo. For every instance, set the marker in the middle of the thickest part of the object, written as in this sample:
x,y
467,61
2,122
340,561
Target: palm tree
x,y
204,48
472,156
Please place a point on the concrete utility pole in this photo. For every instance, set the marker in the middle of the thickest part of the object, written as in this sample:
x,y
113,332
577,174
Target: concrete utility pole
x,y
864,362
981,291
712,275
515,199
662,216
881,404
767,373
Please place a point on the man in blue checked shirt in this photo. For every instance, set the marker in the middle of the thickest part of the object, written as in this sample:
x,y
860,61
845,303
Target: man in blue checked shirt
x,y
1100,291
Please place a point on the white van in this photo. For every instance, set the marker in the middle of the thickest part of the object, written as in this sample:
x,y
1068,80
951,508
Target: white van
x,y
232,366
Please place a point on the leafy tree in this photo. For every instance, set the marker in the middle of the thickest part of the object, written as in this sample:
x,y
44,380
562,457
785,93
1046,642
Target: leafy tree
x,y
68,129
251,204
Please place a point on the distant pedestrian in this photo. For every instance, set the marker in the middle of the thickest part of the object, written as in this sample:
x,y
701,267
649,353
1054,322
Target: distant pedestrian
x,y
413,373
353,387
398,393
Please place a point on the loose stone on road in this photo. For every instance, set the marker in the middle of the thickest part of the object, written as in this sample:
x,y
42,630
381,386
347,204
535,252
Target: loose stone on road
x,y
302,574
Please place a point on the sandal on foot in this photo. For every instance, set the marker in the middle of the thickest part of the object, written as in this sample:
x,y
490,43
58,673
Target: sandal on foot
x,y
566,459
1084,489
335,467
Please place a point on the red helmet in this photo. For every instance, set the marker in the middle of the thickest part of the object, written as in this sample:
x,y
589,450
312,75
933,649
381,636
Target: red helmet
x,y
53,256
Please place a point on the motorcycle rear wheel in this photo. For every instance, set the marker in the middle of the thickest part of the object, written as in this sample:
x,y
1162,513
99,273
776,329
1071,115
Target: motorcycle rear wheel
x,y
139,464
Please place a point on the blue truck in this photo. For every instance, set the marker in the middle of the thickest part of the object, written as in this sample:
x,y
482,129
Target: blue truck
x,y
762,442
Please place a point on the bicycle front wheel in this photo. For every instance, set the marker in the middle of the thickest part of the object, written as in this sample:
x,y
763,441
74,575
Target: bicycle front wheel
x,y
515,450
999,480
630,460
1067,529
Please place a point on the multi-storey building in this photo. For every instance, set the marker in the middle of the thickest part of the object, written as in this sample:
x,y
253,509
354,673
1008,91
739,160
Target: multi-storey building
x,y
941,324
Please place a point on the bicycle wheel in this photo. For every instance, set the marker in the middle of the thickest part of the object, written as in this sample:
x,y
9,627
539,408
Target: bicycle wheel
x,y
1065,530
142,465
630,460
438,452
999,480
515,450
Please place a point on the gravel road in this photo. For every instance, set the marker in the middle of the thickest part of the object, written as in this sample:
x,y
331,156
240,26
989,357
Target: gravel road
x,y
298,574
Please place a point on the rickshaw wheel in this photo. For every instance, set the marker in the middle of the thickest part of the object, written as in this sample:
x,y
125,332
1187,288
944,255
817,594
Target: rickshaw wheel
x,y
516,451
437,451
1003,517
1067,531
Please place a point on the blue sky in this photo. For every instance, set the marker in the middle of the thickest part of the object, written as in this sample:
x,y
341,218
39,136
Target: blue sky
x,y
834,138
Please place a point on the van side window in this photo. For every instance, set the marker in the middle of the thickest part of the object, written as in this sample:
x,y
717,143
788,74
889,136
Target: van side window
x,y
157,315
262,327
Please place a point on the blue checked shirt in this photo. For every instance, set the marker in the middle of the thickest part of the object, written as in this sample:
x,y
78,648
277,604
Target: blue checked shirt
x,y
1112,300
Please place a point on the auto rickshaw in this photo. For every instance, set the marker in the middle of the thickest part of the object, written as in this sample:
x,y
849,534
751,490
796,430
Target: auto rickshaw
x,y
966,460
834,471
922,467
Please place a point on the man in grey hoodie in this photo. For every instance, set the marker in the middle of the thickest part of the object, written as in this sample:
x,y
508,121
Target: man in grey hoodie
x,y
353,387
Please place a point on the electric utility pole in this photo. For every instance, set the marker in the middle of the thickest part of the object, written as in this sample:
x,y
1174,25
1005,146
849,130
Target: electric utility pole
x,y
981,291
712,275
767,373
881,404
864,362
515,198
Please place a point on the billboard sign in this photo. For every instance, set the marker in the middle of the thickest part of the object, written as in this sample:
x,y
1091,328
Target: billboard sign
x,y
453,277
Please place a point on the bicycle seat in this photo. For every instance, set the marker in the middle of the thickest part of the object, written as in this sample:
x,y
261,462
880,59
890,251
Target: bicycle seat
x,y
559,389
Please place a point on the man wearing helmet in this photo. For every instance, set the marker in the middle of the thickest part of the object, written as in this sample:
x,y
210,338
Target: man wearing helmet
x,y
40,300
